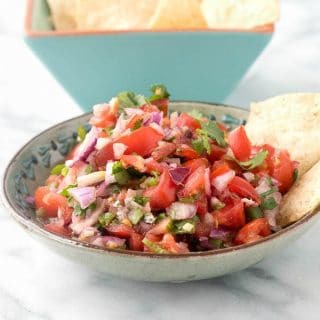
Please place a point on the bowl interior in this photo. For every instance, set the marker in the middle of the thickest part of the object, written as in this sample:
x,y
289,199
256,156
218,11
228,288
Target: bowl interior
x,y
31,165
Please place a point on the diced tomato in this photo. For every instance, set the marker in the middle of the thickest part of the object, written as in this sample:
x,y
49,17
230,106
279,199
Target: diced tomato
x,y
54,180
185,120
162,195
219,170
243,188
166,122
216,153
154,237
106,116
57,229
152,165
253,231
169,243
141,141
162,104
202,230
195,183
135,242
185,151
280,167
240,143
161,227
50,202
195,164
232,215
134,161
202,205
222,127
164,150
120,230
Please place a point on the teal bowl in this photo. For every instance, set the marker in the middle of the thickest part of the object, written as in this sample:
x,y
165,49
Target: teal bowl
x,y
94,65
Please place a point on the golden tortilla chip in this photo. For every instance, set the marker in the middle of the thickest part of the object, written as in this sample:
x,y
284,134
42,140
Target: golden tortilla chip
x,y
178,14
114,14
302,199
290,122
63,14
240,13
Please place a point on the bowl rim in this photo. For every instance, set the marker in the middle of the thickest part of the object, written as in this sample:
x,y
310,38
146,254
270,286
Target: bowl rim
x,y
263,29
30,225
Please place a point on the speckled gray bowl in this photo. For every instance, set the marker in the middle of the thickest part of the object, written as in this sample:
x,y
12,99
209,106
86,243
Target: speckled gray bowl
x,y
31,165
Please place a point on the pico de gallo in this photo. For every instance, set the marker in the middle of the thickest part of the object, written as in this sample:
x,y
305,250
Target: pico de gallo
x,y
145,180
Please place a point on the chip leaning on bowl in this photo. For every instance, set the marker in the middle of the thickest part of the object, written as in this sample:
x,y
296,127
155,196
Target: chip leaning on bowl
x,y
162,14
295,119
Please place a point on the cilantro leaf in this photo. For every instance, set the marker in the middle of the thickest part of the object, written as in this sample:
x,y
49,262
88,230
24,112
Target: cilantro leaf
x,y
120,173
142,200
254,162
159,91
212,129
129,99
78,211
106,218
201,143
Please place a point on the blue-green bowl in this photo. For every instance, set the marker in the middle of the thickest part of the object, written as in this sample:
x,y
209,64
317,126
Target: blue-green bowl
x,y
93,66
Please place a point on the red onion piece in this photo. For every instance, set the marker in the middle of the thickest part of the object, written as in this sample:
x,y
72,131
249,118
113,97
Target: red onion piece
x,y
154,117
133,111
78,224
181,211
109,177
118,150
109,242
85,196
101,189
157,127
29,199
179,174
221,182
87,146
220,233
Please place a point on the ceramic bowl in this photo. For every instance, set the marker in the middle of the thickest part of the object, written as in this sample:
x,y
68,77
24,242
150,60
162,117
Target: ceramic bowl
x,y
31,165
195,65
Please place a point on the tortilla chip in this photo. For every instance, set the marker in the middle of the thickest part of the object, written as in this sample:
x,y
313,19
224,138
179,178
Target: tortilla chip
x,y
178,14
302,199
290,122
114,14
240,13
63,14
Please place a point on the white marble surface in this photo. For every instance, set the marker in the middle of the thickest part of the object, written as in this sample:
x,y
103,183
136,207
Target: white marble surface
x,y
37,284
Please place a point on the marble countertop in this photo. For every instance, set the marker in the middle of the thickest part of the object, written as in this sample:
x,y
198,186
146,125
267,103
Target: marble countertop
x,y
37,284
